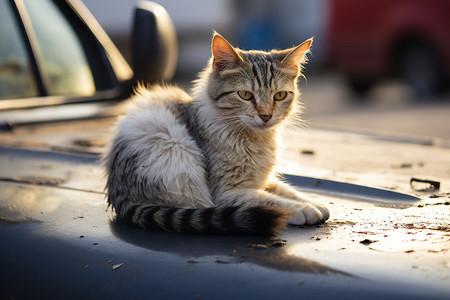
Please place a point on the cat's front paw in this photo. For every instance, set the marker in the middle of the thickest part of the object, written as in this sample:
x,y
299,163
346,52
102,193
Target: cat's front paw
x,y
309,214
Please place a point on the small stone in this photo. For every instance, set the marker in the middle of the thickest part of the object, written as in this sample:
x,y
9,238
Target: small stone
x,y
114,267
258,246
278,243
307,152
367,242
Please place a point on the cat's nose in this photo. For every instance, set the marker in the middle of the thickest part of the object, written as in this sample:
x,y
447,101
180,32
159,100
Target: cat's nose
x,y
265,118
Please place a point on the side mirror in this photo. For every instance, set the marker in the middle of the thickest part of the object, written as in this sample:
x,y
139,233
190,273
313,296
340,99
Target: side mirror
x,y
154,43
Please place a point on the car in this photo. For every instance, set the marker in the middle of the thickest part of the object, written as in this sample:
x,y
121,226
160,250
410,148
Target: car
x,y
55,52
59,240
372,40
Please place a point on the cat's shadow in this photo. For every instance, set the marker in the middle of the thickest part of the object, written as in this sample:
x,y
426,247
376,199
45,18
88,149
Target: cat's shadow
x,y
188,245
226,249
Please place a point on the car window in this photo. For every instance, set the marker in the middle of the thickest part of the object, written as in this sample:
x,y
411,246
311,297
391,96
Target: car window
x,y
64,64
16,75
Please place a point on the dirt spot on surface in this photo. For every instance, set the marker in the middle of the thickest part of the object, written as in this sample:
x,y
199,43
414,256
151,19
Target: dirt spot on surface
x,y
432,204
223,262
406,165
35,180
307,152
192,262
423,227
88,143
367,242
423,185
116,266
335,224
276,243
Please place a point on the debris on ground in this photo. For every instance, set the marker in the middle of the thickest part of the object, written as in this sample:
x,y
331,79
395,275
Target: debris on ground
x,y
276,243
307,152
115,267
403,166
423,185
258,246
367,242
219,261
432,204
192,261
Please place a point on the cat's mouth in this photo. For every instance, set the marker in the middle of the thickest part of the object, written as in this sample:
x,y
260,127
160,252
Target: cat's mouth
x,y
260,125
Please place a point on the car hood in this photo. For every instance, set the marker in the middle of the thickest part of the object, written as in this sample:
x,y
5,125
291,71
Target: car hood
x,y
60,239
54,216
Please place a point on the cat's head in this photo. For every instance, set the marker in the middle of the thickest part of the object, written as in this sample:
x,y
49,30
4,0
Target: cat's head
x,y
256,88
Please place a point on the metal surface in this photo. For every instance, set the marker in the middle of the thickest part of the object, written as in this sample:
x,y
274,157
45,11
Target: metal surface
x,y
58,240
349,191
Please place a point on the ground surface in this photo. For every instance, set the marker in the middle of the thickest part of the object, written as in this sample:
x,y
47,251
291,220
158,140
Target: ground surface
x,y
393,239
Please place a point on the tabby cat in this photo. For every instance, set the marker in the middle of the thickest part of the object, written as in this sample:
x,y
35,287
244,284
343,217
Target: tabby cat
x,y
205,163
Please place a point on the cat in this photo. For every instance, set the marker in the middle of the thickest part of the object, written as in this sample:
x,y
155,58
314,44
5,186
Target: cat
x,y
205,163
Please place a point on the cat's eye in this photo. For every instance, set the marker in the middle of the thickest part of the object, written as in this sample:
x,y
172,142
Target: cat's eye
x,y
245,95
280,96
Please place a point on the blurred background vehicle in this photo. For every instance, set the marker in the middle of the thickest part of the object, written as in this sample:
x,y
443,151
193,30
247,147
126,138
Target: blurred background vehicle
x,y
247,24
350,85
366,42
410,40
344,90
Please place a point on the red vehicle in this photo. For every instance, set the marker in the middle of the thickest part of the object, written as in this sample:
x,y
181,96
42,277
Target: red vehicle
x,y
408,39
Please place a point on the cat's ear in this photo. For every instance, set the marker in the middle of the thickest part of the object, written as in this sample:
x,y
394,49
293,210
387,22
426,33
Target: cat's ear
x,y
224,55
296,56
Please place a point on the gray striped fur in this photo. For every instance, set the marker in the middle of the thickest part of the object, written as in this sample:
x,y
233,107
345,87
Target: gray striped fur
x,y
205,163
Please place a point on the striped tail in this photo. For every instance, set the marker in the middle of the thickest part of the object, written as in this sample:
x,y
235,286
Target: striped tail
x,y
253,220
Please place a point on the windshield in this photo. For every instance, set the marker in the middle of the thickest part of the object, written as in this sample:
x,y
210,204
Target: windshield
x,y
64,64
16,75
